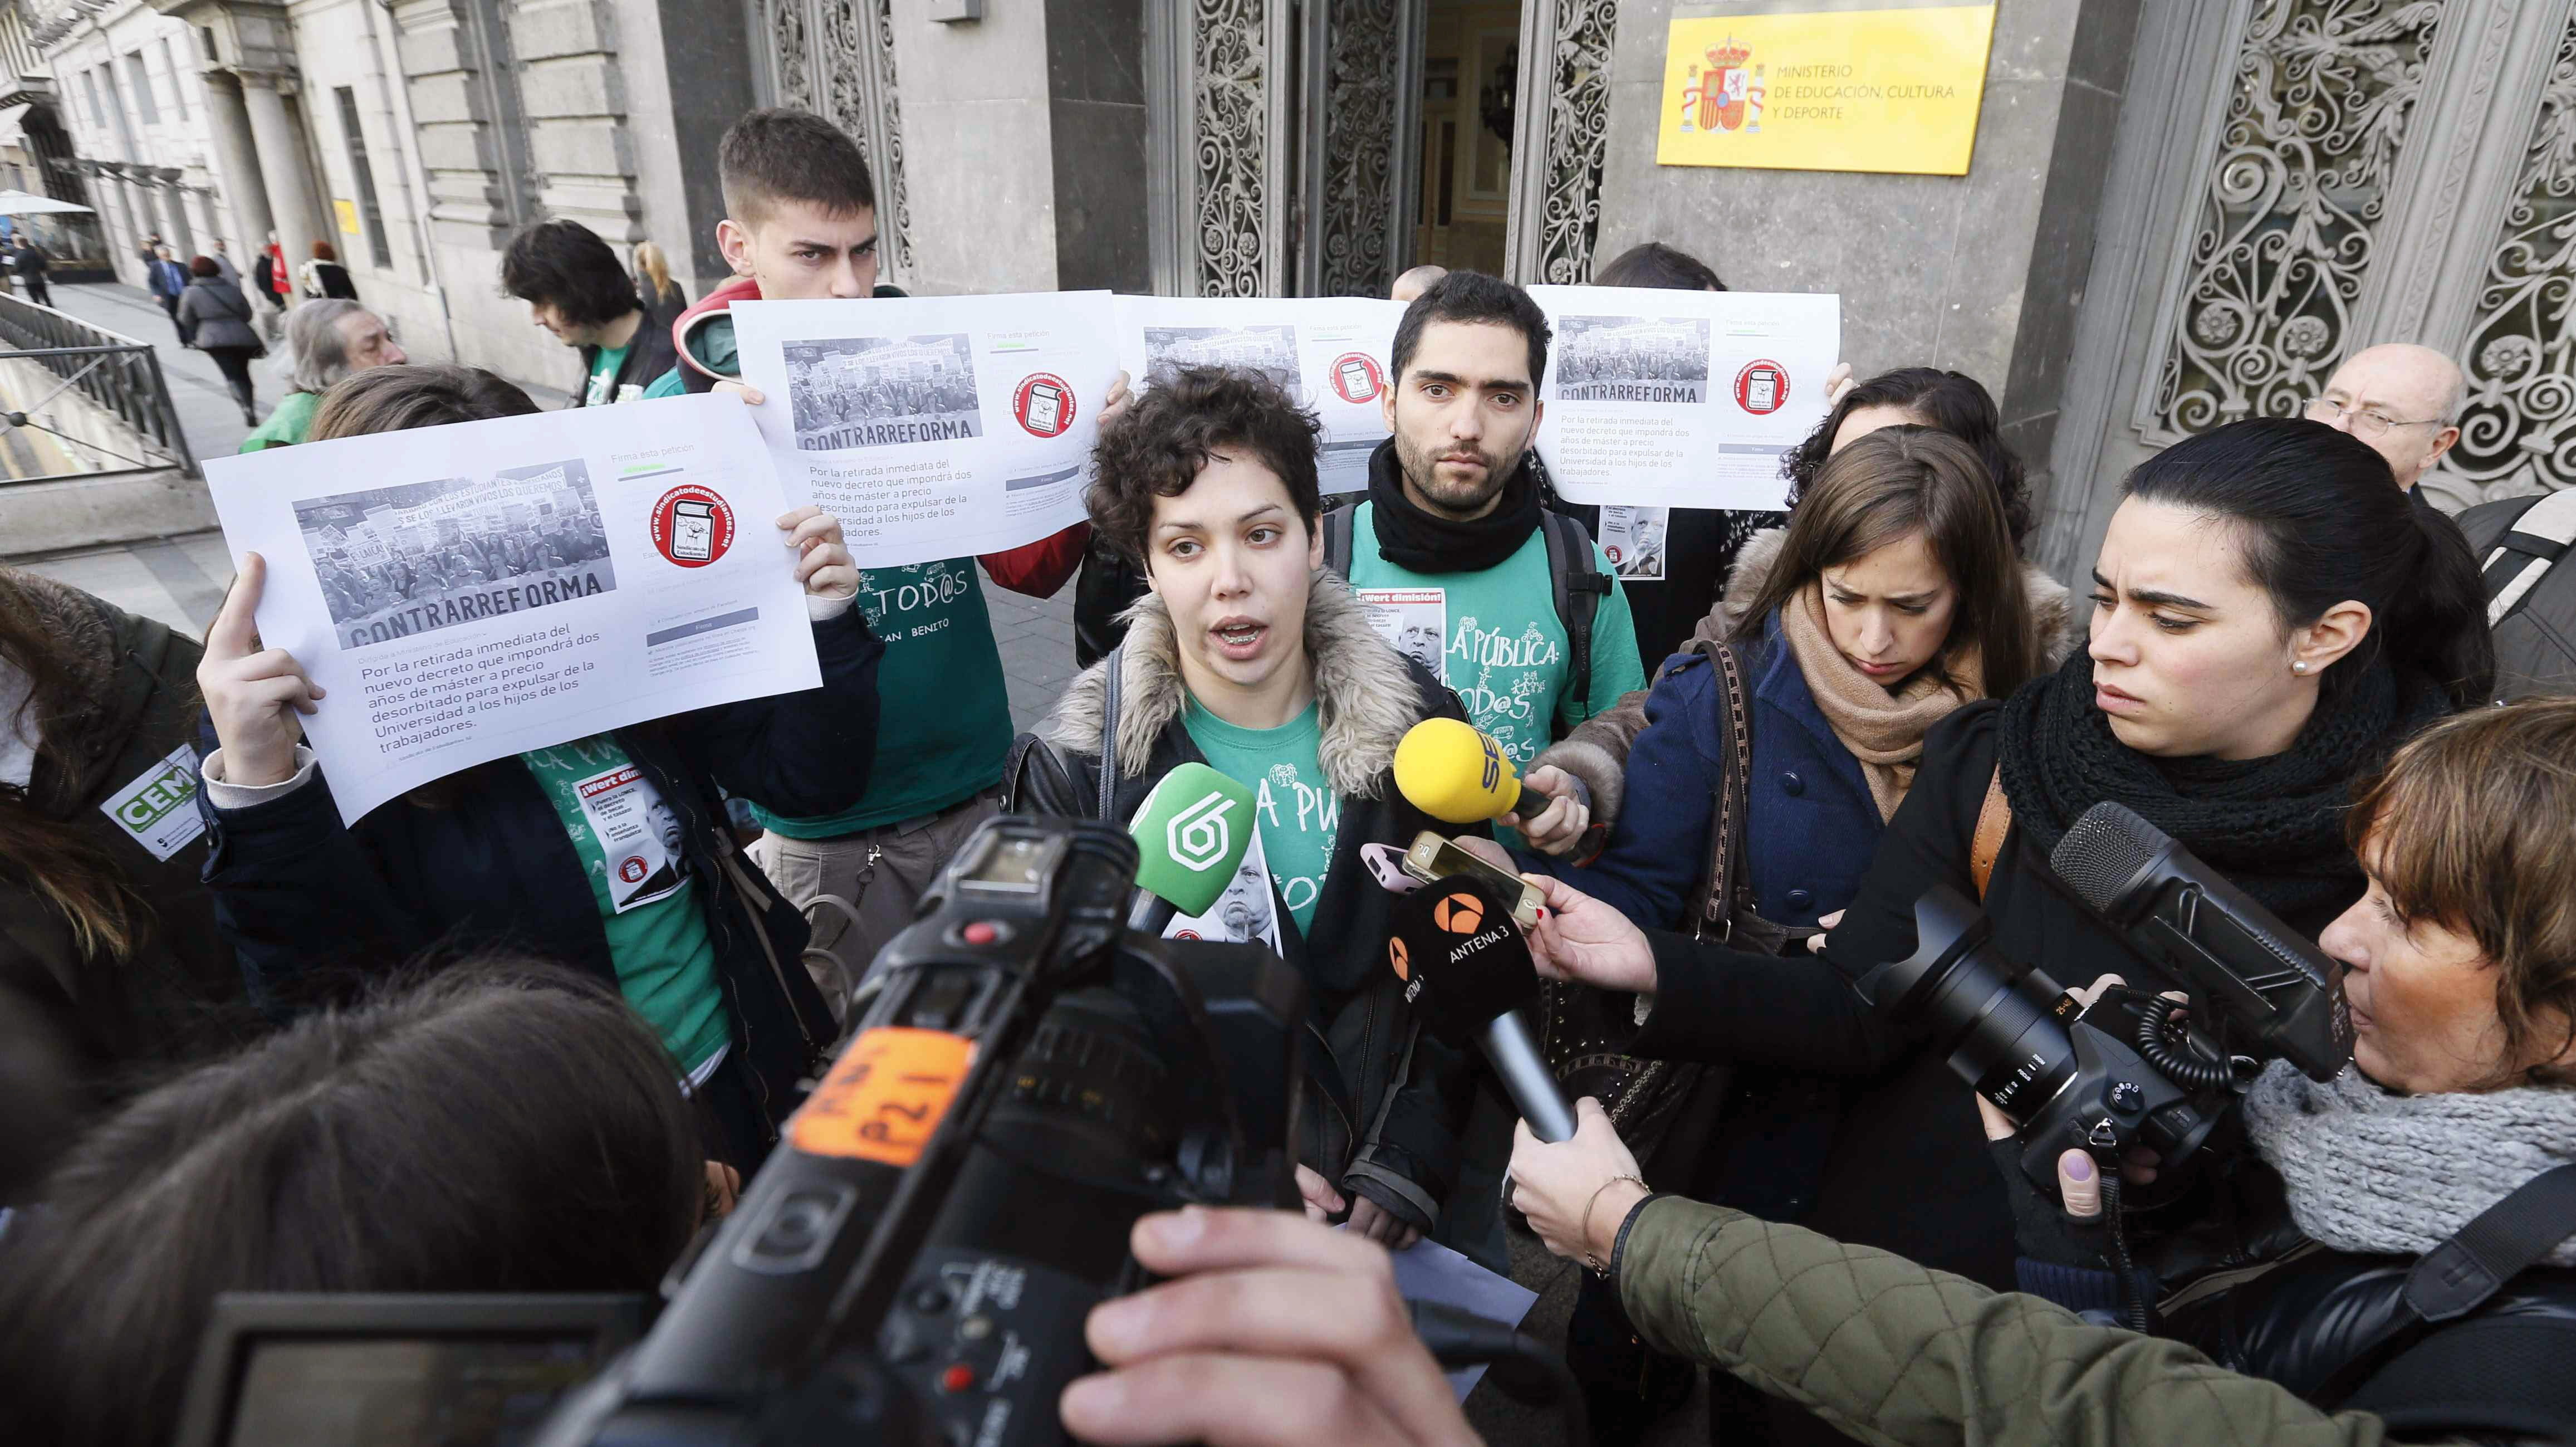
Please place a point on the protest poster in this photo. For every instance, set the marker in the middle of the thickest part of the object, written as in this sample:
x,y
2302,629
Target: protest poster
x,y
1328,353
496,587
934,427
1681,398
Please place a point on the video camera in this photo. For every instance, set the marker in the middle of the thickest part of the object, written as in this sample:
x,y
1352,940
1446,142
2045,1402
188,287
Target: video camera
x,y
2133,1067
1030,1076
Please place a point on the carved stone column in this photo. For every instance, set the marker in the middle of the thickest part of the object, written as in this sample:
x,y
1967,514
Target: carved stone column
x,y
281,166
237,164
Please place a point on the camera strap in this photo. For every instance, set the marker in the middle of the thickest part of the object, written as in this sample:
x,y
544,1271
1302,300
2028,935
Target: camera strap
x,y
2403,1370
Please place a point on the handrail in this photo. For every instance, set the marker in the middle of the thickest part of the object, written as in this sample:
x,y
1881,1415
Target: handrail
x,y
115,371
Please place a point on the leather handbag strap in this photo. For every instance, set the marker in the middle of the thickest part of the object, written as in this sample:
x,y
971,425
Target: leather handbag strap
x,y
1734,770
1994,822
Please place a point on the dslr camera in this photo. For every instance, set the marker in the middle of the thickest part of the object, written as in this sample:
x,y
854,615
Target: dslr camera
x,y
2134,1067
1028,1077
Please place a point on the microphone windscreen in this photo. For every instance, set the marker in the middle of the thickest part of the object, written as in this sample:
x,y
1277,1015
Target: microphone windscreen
x,y
2105,852
1448,770
1461,957
1191,833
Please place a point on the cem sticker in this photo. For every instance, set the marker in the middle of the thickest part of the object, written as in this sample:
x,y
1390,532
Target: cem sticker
x,y
1762,387
1044,404
1356,377
159,807
692,526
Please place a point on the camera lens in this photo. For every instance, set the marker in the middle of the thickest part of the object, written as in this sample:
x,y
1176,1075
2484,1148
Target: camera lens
x,y
1962,991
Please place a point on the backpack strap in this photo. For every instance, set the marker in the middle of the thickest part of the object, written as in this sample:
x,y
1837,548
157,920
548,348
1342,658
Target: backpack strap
x,y
2450,1378
1994,823
2540,534
1579,587
1337,539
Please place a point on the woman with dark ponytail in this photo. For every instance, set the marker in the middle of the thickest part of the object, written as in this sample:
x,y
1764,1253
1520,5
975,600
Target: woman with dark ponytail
x,y
2270,620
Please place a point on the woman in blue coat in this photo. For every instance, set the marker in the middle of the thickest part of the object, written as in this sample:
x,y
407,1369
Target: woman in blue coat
x,y
1774,750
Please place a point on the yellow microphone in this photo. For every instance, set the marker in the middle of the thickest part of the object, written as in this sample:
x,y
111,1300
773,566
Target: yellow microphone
x,y
1449,770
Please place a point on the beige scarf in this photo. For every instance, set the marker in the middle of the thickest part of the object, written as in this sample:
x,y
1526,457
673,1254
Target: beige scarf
x,y
1883,730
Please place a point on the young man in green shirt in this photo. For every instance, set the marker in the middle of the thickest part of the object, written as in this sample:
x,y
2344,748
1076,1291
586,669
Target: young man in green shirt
x,y
576,288
1449,543
800,225
1249,657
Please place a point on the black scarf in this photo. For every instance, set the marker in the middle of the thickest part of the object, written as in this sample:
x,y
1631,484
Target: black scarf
x,y
1411,538
2273,826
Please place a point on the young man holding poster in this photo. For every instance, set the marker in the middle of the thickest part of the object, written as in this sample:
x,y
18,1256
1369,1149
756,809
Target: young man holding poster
x,y
1452,540
800,225
607,853
1245,657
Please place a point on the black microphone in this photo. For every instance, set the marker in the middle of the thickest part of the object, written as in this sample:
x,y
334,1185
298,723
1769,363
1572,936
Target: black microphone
x,y
2264,976
1467,970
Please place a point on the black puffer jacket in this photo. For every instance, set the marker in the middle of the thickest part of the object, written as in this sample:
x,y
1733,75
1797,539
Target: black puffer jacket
x,y
1386,1103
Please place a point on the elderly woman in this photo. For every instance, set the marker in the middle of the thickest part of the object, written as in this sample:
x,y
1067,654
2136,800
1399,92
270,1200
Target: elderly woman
x,y
2460,966
328,340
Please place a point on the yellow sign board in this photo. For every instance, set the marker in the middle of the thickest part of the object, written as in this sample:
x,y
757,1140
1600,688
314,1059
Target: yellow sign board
x,y
348,211
1852,90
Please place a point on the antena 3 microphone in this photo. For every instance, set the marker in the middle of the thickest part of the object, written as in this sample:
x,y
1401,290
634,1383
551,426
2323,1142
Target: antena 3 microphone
x,y
1191,833
1448,770
1466,972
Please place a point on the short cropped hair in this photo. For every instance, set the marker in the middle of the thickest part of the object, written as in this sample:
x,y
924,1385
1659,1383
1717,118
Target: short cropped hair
x,y
782,154
2467,827
1653,264
203,266
1166,437
396,399
563,264
1472,296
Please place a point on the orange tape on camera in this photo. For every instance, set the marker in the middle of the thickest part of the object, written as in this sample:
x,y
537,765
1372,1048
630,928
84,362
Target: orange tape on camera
x,y
884,1096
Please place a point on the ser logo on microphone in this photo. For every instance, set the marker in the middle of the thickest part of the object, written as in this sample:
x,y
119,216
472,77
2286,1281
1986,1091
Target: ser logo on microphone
x,y
1200,835
1493,762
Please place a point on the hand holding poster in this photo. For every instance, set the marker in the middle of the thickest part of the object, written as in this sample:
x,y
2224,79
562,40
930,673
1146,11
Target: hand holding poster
x,y
934,427
1681,398
509,585
1328,353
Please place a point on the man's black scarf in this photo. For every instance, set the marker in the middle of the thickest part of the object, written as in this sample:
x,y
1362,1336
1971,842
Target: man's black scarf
x,y
2274,826
1425,543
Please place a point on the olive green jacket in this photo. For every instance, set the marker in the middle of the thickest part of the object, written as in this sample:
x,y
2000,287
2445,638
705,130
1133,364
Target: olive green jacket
x,y
1895,1353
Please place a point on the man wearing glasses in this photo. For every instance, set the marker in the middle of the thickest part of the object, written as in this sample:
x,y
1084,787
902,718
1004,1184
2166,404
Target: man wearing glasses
x,y
2402,399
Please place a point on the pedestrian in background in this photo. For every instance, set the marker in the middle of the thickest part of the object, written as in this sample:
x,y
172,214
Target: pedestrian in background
x,y
167,279
662,297
215,318
324,276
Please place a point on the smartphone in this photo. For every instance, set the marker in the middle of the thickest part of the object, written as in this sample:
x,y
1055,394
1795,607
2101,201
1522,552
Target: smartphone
x,y
1434,858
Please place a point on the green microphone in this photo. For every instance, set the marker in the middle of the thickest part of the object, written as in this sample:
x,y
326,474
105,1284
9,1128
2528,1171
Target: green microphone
x,y
1191,833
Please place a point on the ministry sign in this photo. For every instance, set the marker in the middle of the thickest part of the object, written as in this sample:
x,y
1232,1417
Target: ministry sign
x,y
1895,87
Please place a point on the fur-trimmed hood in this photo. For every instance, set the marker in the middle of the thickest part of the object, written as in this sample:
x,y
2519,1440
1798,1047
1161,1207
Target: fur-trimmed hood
x,y
2051,617
1366,693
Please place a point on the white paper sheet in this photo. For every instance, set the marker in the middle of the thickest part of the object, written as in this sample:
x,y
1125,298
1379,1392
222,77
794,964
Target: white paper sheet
x,y
1681,398
540,579
1330,353
1429,1271
936,427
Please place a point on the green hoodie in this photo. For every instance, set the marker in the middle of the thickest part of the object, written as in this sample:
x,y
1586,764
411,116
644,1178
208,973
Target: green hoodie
x,y
711,343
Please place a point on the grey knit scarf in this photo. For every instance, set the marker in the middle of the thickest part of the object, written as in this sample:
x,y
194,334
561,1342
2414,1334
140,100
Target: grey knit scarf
x,y
2387,1174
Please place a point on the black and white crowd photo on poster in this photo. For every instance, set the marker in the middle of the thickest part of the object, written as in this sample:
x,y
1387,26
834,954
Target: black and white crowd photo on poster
x,y
1271,351
1632,359
395,561
880,391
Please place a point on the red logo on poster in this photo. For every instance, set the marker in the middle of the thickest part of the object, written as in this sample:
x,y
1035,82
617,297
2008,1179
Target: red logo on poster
x,y
1762,387
1044,404
692,526
1357,378
631,868
1185,934
1612,551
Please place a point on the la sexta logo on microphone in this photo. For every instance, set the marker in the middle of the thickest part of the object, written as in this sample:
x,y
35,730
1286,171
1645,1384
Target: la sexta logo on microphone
x,y
1199,836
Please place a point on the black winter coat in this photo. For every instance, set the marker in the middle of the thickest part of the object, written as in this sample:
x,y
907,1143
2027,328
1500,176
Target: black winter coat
x,y
1386,1104
312,904
649,354
1908,1170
